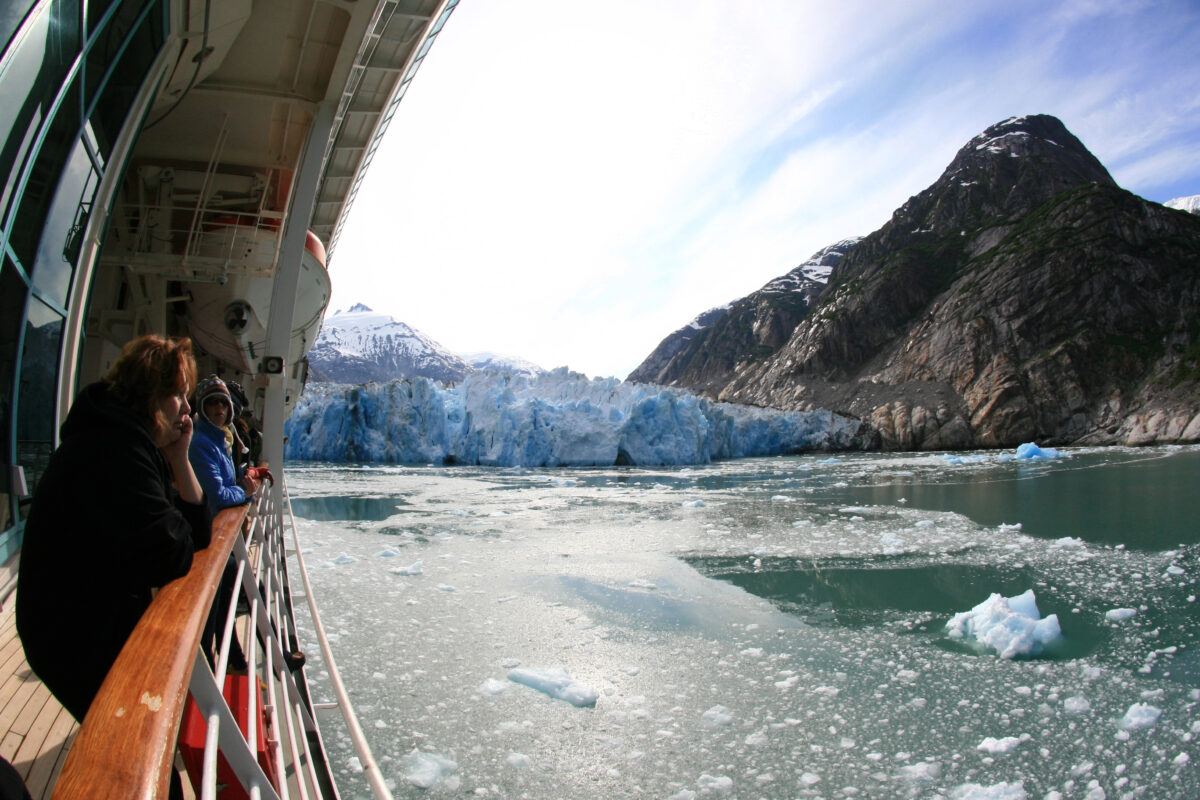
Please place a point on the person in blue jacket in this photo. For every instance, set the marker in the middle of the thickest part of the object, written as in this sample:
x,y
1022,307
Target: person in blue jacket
x,y
210,454
211,457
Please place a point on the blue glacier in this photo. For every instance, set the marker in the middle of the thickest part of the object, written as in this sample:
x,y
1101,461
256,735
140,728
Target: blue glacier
x,y
559,418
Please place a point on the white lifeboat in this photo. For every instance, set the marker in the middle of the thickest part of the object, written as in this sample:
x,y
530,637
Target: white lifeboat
x,y
228,317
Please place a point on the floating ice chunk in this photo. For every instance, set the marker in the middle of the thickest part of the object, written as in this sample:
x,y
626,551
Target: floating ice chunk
x,y
999,746
556,683
493,687
718,784
1067,543
1007,528
345,559
693,504
924,772
1077,705
426,770
411,569
355,765
447,588
683,794
1011,626
757,739
781,498
389,552
1120,614
997,791
808,779
717,715
518,760
1031,452
1140,716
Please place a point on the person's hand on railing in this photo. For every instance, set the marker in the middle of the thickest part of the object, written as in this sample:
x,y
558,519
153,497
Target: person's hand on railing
x,y
261,474
249,484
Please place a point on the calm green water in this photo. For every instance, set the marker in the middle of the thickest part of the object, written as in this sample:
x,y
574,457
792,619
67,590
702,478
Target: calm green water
x,y
1141,498
765,628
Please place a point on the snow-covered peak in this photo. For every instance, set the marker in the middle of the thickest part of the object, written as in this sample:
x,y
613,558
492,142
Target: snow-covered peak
x,y
361,345
357,331
499,362
1189,204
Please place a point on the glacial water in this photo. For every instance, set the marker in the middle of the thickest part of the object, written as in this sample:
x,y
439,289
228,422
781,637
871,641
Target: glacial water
x,y
762,628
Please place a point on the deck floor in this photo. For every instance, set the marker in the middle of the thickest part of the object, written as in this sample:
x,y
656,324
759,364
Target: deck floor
x,y
35,731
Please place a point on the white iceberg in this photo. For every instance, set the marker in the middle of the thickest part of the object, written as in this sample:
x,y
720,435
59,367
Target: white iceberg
x,y
1012,626
426,770
556,683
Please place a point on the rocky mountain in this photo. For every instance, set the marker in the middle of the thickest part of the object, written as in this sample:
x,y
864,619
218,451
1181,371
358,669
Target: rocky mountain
x,y
704,354
1023,296
361,346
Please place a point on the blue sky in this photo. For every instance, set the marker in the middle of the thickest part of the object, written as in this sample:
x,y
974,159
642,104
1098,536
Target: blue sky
x,y
570,182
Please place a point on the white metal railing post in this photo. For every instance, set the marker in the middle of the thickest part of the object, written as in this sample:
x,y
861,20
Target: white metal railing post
x,y
228,736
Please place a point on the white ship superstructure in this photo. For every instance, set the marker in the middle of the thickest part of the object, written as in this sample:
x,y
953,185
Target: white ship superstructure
x,y
181,168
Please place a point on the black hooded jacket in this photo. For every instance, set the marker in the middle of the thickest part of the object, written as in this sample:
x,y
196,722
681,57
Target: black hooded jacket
x,y
105,527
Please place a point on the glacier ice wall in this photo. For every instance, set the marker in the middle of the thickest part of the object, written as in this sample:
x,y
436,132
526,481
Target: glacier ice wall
x,y
559,418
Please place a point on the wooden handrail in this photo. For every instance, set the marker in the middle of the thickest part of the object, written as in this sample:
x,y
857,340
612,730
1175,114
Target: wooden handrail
x,y
126,746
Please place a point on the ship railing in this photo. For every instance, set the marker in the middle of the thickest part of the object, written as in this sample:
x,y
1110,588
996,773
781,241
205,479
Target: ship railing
x,y
358,740
268,740
211,243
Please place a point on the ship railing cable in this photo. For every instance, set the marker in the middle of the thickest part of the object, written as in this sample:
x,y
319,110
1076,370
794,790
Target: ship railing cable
x,y
357,739
266,737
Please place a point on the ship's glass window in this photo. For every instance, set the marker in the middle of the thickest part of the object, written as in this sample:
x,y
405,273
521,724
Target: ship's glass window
x,y
12,309
113,99
44,188
12,14
35,401
65,223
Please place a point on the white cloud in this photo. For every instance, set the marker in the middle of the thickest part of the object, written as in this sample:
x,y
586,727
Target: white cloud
x,y
569,182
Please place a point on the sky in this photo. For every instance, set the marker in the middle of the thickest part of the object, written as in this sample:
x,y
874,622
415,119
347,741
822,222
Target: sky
x,y
570,182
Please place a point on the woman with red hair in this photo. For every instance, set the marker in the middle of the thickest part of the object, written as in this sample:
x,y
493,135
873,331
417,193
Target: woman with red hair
x,y
117,513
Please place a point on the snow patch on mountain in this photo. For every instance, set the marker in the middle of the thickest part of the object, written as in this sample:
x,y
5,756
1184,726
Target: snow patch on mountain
x,y
816,270
497,362
1189,204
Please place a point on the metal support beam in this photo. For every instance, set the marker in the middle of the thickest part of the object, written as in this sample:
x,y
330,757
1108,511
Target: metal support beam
x,y
287,278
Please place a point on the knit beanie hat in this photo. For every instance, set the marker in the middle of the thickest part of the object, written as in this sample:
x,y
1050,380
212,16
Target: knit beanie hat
x,y
210,388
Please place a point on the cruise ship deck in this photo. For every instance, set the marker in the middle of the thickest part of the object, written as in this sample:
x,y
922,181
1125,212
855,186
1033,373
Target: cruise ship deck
x,y
35,731
179,168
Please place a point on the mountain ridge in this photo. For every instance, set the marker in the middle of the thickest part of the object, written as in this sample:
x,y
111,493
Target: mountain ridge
x,y
359,346
1023,295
